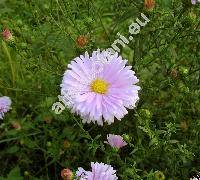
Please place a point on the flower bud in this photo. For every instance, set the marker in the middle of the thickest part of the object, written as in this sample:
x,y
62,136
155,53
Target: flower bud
x,y
7,35
145,113
66,144
183,70
48,144
21,142
159,175
67,174
16,125
184,126
174,73
149,4
192,17
81,41
48,119
26,173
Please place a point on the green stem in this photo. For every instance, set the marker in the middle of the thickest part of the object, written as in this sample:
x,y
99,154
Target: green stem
x,y
6,51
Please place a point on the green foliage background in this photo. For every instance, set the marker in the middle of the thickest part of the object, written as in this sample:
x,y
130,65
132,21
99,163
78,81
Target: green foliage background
x,y
163,131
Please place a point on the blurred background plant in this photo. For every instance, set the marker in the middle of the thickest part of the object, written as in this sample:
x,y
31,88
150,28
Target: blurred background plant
x,y
162,132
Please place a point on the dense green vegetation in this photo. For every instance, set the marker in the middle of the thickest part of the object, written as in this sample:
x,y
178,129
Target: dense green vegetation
x,y
162,132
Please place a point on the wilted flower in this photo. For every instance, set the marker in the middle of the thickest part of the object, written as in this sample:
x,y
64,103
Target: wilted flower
x,y
149,4
100,171
7,35
48,119
67,174
115,141
66,144
195,1
5,104
81,41
184,125
101,91
174,73
16,125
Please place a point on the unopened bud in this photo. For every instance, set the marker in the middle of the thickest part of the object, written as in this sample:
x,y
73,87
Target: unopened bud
x,y
174,73
67,174
26,173
184,126
145,113
48,144
183,70
7,35
66,144
16,125
149,4
82,41
159,175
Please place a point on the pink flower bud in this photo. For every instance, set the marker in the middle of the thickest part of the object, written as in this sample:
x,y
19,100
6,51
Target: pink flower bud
x,y
7,36
67,174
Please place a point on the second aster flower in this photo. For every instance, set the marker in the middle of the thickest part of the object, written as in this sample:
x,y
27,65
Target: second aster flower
x,y
100,87
115,141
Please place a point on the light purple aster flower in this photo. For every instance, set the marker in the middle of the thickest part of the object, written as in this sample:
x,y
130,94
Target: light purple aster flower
x,y
100,87
100,171
195,1
5,104
115,141
197,177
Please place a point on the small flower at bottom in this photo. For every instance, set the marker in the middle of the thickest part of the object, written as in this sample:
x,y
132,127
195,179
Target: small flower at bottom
x,y
7,35
100,95
5,104
116,141
100,171
67,174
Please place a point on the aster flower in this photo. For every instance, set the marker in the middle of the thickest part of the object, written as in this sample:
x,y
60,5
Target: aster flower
x,y
100,171
195,1
5,104
197,177
115,141
100,91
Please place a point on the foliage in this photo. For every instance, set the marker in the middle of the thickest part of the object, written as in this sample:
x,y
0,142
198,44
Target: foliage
x,y
162,132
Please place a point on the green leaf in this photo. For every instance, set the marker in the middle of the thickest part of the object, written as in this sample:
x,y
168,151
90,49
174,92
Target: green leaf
x,y
14,174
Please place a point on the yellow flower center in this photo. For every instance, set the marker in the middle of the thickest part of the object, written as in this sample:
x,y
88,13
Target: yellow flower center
x,y
99,86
